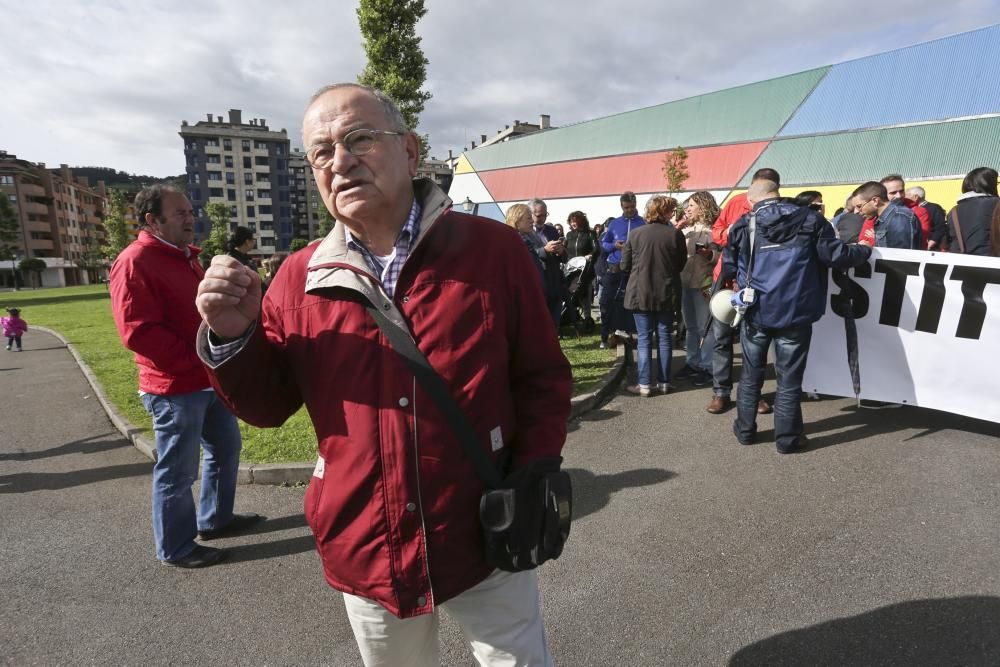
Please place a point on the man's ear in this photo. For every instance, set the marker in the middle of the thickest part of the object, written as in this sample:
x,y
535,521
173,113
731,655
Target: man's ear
x,y
151,220
412,142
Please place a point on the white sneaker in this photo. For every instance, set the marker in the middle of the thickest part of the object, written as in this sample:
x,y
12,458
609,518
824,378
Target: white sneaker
x,y
640,389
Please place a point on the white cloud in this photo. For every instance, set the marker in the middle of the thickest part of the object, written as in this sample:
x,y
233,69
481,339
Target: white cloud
x,y
109,83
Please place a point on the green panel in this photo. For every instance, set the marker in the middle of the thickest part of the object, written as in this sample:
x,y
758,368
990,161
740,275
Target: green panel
x,y
747,113
920,151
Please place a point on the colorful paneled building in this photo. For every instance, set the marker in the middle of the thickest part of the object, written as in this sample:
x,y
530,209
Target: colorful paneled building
x,y
933,115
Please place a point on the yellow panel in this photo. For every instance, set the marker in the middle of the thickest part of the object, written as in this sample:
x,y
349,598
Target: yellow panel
x,y
732,194
463,166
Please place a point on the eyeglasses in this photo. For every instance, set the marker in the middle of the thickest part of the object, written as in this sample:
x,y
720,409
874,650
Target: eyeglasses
x,y
357,142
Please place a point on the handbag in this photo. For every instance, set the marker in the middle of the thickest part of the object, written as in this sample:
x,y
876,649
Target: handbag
x,y
525,514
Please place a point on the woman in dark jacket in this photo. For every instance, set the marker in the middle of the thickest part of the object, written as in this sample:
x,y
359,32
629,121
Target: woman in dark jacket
x,y
973,225
654,256
581,242
240,245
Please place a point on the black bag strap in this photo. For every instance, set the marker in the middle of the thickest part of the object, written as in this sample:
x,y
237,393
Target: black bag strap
x,y
958,230
432,383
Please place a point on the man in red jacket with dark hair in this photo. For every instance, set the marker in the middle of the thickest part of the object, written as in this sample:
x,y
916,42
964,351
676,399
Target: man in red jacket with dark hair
x,y
153,285
393,502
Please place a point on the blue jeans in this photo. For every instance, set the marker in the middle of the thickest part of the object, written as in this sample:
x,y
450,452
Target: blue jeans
x,y
791,348
644,323
181,423
694,306
722,358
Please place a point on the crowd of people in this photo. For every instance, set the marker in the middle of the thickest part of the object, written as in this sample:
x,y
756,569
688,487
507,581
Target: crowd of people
x,y
656,285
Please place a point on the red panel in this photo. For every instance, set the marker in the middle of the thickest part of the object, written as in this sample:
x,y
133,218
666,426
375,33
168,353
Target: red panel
x,y
712,168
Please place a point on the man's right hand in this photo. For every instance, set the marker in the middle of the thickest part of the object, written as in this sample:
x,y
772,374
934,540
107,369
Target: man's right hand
x,y
229,297
554,247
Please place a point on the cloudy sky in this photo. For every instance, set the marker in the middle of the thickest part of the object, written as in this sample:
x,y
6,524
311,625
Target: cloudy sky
x,y
107,83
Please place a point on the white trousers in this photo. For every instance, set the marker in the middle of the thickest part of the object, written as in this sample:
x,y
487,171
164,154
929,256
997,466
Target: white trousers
x,y
500,617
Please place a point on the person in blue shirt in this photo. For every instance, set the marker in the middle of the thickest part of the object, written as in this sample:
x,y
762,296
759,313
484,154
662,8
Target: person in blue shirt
x,y
614,317
895,226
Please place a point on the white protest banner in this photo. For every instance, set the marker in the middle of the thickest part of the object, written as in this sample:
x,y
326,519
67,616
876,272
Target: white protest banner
x,y
928,332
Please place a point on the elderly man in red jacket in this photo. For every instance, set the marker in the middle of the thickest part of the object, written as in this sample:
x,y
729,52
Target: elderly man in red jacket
x,y
153,286
393,499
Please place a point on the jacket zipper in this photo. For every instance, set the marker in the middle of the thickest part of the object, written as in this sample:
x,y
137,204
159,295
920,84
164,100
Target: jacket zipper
x,y
420,499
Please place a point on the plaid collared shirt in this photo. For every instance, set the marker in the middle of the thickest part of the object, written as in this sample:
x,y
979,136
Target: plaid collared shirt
x,y
389,273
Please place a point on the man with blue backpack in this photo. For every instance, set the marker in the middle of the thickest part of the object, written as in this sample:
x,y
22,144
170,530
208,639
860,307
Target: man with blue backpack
x,y
780,255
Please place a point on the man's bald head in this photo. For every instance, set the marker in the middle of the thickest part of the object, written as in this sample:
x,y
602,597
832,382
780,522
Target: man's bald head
x,y
762,189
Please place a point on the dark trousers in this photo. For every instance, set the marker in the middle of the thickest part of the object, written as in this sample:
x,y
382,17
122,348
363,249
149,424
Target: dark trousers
x,y
722,358
613,313
13,339
791,348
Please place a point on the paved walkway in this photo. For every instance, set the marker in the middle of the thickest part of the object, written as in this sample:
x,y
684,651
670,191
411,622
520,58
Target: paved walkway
x,y
881,545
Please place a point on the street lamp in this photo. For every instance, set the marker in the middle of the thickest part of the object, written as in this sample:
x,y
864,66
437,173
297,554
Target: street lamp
x,y
14,259
467,204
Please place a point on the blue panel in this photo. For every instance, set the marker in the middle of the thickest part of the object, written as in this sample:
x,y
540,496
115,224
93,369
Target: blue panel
x,y
946,78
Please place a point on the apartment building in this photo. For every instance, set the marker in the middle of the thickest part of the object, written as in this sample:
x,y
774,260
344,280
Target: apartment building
x,y
305,196
244,165
61,220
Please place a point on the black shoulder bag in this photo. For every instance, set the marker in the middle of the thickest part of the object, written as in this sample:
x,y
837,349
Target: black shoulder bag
x,y
525,516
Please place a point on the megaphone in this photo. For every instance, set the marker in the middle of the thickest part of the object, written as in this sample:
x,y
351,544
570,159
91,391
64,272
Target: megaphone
x,y
722,307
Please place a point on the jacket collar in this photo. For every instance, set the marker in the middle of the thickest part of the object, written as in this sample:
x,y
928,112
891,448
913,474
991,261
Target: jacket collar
x,y
152,241
334,264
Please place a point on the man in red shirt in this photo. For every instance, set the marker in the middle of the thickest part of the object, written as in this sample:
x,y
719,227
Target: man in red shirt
x,y
722,349
895,186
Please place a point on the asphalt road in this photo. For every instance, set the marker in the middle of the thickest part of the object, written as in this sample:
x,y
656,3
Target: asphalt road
x,y
878,546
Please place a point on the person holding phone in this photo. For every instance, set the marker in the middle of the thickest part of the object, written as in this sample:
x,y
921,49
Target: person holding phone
x,y
700,212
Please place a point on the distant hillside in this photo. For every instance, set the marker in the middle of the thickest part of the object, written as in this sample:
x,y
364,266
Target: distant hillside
x,y
123,180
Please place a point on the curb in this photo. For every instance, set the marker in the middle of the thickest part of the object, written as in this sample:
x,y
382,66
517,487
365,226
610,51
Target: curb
x,y
295,473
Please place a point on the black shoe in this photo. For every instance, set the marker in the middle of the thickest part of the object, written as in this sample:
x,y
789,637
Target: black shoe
x,y
741,440
686,373
702,379
801,444
239,522
200,556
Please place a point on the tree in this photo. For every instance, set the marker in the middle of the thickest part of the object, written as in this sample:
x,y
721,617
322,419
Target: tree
x,y
675,169
92,259
396,64
218,213
114,225
325,222
9,229
297,244
33,265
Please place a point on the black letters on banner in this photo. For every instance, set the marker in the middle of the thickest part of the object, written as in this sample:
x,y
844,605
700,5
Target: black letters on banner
x,y
853,301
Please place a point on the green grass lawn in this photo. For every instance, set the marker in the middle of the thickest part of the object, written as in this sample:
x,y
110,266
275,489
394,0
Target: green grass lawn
x,y
83,316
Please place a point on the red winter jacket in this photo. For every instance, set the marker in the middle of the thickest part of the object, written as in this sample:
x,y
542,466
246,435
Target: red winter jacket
x,y
925,221
735,209
394,499
153,287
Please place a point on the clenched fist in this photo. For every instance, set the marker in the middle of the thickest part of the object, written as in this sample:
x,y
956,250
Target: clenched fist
x,y
229,297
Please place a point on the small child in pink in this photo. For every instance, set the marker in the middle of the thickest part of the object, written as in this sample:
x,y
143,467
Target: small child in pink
x,y
13,328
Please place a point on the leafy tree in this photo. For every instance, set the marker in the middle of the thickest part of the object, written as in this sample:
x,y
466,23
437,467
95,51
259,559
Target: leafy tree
x,y
325,222
675,169
396,63
297,244
32,265
92,259
114,225
218,213
9,228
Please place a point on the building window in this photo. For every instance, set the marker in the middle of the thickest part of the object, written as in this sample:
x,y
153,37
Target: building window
x,y
245,144
247,163
266,226
249,194
194,178
232,211
195,194
281,164
251,213
282,178
314,205
283,195
6,180
263,178
265,210
261,161
213,159
248,178
232,195
13,198
230,178
213,141
229,162
263,194
227,144
215,175
260,145
286,212
215,192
